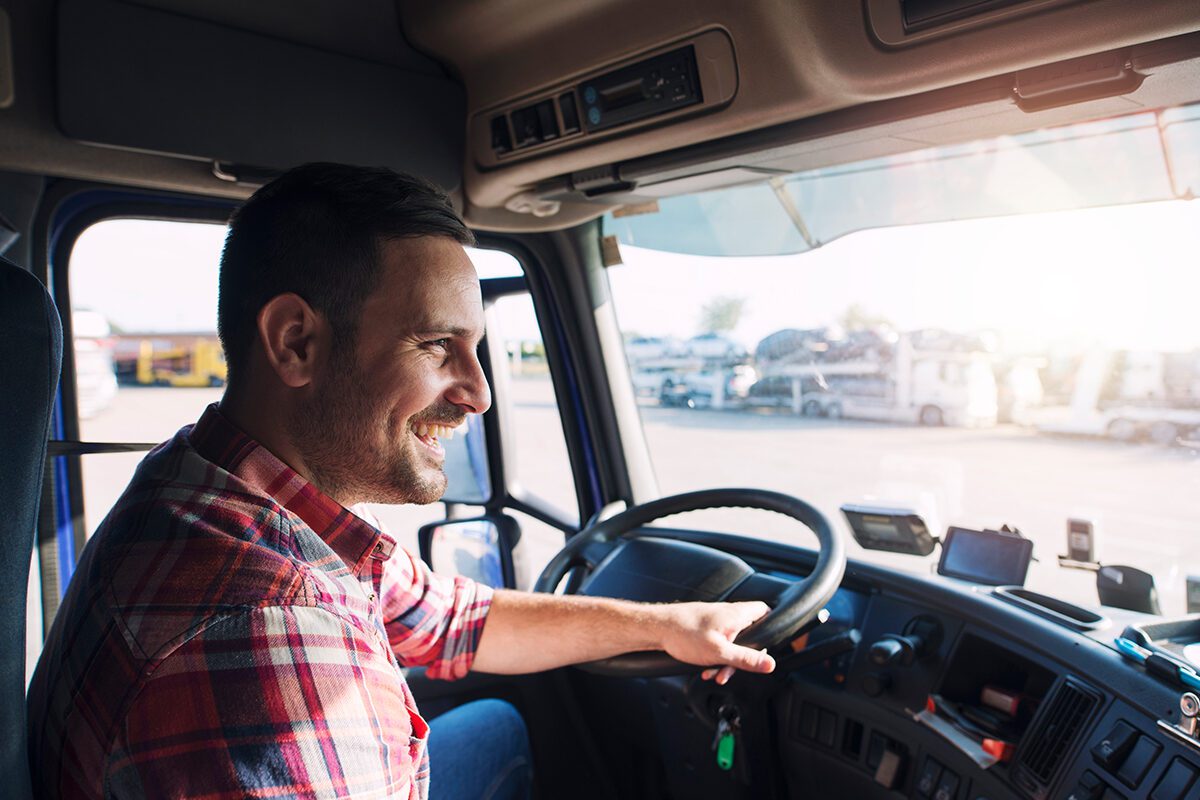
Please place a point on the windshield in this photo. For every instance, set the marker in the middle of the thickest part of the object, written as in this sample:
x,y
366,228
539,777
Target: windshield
x,y
1020,359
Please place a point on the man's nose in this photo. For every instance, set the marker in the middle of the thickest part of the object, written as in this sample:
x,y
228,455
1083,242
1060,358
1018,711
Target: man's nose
x,y
471,392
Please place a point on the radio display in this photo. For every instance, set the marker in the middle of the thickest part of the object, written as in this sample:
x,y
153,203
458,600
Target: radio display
x,y
622,95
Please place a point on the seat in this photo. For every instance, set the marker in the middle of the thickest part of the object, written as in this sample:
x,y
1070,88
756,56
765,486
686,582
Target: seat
x,y
30,361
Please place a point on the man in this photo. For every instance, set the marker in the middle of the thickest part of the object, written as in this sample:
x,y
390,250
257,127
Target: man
x,y
233,628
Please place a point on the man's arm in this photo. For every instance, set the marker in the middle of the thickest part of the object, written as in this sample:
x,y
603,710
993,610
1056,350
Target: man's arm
x,y
528,632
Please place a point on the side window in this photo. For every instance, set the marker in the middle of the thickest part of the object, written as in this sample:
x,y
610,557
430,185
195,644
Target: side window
x,y
535,436
144,298
147,360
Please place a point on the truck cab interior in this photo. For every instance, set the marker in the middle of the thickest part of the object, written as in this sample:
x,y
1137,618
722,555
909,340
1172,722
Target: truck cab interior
x,y
962,233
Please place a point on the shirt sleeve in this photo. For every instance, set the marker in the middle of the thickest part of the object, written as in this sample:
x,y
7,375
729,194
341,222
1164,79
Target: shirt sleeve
x,y
274,702
432,620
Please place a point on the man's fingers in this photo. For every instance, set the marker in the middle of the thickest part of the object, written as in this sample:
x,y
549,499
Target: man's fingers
x,y
751,611
740,657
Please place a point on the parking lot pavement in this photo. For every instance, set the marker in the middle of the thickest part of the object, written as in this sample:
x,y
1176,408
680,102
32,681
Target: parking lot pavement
x,y
1145,499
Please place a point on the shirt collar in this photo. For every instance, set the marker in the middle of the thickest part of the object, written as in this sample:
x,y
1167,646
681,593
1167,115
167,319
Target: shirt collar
x,y
354,540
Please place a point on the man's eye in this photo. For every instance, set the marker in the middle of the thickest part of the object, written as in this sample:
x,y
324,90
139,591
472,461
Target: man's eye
x,y
441,343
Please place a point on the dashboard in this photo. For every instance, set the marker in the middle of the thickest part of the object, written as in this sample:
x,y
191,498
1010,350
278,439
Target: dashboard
x,y
873,703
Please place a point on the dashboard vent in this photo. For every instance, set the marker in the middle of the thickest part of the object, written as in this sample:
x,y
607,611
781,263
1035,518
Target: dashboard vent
x,y
1053,734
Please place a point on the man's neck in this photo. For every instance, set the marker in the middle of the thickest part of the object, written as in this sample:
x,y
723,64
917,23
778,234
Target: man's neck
x,y
263,418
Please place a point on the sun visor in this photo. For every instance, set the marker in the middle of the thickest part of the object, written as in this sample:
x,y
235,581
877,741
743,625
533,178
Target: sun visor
x,y
145,79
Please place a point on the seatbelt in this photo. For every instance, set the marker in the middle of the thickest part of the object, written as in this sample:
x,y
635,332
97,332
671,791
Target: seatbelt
x,y
47,549
47,541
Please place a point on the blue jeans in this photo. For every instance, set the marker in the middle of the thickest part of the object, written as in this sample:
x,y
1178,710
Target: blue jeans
x,y
479,751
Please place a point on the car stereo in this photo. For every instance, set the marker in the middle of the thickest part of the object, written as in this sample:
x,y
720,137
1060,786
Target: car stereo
x,y
645,89
894,530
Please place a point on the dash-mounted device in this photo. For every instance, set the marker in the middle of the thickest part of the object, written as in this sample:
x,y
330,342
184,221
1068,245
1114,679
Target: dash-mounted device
x,y
993,558
895,530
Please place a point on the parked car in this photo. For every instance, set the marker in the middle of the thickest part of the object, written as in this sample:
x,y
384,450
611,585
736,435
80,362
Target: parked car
x,y
714,346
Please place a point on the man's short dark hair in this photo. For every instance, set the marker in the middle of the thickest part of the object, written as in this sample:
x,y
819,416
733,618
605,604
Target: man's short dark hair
x,y
317,230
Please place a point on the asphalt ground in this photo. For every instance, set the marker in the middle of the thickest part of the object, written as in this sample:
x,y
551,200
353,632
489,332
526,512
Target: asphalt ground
x,y
1144,498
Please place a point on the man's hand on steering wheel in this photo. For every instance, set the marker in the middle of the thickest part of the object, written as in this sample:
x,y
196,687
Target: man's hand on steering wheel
x,y
704,634
623,559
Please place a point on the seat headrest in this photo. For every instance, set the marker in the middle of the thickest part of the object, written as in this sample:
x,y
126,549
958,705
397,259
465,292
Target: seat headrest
x,y
30,360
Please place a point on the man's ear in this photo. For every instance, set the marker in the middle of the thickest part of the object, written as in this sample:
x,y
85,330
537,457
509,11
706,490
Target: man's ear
x,y
291,333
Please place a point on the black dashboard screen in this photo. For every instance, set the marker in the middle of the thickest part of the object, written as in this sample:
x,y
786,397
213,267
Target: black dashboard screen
x,y
986,557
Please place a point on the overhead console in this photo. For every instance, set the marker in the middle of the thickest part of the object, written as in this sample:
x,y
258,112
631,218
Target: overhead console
x,y
685,78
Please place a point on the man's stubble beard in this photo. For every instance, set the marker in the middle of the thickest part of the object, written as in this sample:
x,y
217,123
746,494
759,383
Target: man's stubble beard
x,y
338,434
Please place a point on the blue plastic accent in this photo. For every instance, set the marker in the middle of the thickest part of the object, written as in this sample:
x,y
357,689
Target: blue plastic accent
x,y
1131,649
64,532
1135,652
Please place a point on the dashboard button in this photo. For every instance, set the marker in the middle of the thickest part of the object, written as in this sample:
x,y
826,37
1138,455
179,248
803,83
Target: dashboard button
x,y
1089,787
1139,761
1174,784
1111,794
875,750
501,141
570,113
546,120
808,721
947,787
1115,746
927,780
890,769
827,728
526,128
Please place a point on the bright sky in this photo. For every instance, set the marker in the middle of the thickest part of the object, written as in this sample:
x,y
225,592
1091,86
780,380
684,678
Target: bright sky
x,y
155,276
1125,277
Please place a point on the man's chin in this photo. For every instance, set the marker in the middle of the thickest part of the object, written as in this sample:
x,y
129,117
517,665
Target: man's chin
x,y
430,489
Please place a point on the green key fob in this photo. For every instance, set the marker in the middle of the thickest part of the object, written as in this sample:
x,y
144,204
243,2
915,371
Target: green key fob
x,y
725,747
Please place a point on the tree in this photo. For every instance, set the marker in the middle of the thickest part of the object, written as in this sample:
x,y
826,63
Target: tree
x,y
721,314
857,318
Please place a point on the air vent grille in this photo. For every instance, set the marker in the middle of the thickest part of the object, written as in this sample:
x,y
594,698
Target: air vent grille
x,y
1053,734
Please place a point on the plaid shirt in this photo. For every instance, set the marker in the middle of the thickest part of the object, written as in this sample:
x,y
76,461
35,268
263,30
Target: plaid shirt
x,y
233,632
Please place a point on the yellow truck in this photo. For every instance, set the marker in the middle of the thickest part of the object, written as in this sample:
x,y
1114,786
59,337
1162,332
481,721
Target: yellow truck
x,y
201,364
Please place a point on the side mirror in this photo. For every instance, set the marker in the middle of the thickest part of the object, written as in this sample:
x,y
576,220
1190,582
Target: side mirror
x,y
479,548
1127,587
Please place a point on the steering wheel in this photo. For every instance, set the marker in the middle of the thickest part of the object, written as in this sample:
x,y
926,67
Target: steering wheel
x,y
609,545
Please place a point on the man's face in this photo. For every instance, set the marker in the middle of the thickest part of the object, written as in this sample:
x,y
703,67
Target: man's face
x,y
369,429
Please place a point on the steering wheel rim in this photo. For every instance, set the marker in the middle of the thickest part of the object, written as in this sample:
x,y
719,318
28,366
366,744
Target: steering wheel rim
x,y
795,606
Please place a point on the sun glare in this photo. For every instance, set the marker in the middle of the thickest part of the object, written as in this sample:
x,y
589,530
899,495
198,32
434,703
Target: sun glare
x,y
1121,278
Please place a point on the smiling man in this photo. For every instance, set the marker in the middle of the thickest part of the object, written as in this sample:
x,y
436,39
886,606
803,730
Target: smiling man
x,y
234,628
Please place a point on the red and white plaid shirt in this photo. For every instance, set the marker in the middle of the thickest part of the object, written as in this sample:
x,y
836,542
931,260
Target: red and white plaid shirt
x,y
233,632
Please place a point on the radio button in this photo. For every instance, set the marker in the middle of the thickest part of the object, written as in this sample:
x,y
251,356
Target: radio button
x,y
570,113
